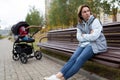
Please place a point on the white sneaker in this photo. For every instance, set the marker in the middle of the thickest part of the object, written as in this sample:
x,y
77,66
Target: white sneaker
x,y
53,77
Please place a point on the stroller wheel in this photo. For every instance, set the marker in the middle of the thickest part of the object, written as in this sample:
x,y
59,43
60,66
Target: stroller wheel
x,y
23,58
38,55
15,57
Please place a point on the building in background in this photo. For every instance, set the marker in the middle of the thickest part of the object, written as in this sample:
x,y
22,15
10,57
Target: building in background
x,y
4,32
47,8
118,17
108,18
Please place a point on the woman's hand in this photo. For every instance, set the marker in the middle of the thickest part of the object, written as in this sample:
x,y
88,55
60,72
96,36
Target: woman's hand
x,y
91,31
82,35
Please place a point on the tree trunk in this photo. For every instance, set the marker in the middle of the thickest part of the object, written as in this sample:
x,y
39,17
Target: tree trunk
x,y
114,10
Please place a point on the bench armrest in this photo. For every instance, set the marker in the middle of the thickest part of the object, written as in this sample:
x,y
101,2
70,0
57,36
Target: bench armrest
x,y
42,39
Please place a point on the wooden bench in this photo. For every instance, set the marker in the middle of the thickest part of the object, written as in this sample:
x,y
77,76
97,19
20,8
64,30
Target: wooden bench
x,y
65,42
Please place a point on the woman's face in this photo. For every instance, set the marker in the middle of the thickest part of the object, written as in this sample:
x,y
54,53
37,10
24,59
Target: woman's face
x,y
85,13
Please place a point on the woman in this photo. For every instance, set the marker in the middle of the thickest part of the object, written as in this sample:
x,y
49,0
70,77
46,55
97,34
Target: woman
x,y
91,41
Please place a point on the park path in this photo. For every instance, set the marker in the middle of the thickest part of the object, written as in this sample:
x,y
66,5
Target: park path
x,y
33,70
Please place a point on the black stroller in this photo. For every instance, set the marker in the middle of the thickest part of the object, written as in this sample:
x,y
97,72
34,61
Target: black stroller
x,y
23,49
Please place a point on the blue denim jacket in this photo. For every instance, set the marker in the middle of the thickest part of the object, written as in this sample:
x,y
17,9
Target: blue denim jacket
x,y
96,39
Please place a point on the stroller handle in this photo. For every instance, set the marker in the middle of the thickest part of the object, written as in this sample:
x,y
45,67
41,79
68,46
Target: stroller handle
x,y
40,27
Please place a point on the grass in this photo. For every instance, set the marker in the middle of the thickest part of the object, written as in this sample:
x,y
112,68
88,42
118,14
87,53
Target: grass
x,y
37,37
101,70
1,37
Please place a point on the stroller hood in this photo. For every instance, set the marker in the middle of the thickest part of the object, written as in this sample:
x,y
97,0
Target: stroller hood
x,y
15,27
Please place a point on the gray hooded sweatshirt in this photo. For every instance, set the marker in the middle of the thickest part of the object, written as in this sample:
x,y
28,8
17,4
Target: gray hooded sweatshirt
x,y
96,39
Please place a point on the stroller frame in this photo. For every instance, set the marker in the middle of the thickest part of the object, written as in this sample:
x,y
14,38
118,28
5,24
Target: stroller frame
x,y
23,50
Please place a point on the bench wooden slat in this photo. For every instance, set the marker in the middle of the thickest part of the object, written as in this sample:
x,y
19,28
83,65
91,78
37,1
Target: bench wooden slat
x,y
107,63
56,47
107,58
65,41
111,54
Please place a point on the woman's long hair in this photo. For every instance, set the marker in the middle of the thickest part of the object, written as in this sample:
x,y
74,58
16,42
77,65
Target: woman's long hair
x,y
80,18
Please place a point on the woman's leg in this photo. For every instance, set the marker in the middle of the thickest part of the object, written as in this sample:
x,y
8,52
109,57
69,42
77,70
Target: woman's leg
x,y
67,66
86,54
72,60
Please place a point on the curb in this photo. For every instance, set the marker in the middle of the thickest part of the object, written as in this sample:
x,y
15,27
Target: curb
x,y
83,72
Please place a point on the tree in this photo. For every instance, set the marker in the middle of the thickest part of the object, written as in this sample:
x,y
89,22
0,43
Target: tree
x,y
34,18
58,14
72,10
64,12
73,7
111,7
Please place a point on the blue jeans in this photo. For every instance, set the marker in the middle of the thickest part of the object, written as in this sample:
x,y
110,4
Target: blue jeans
x,y
27,39
80,56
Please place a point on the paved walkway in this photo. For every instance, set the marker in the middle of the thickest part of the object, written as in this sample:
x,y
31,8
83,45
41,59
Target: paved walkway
x,y
33,70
